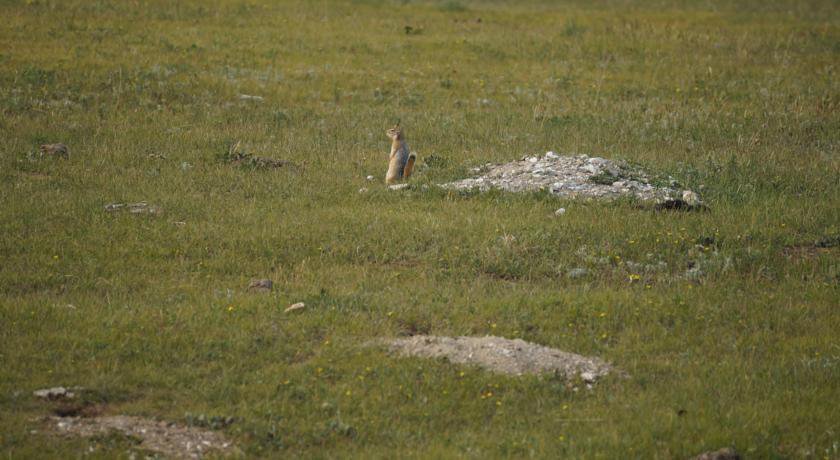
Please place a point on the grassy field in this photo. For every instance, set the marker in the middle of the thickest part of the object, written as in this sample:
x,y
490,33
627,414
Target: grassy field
x,y
739,100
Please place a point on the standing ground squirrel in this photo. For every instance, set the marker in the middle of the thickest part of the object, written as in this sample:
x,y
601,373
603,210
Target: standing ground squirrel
x,y
401,160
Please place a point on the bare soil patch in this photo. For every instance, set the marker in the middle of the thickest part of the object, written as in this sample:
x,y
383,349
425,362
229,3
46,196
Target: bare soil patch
x,y
505,356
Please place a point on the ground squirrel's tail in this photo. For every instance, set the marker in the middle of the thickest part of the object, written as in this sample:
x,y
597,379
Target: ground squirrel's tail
x,y
409,165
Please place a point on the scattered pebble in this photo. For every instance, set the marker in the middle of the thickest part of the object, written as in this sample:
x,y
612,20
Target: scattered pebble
x,y
248,97
295,307
369,178
134,208
560,212
398,186
363,190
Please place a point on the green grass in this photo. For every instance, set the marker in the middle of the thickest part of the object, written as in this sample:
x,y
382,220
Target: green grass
x,y
738,100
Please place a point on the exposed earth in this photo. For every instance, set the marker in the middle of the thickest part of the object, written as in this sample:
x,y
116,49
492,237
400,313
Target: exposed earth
x,y
505,356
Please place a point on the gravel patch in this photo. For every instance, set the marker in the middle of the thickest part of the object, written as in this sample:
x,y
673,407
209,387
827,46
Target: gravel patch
x,y
505,356
165,438
579,176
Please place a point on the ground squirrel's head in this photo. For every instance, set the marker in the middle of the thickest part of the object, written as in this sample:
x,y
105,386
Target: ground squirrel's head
x,y
395,133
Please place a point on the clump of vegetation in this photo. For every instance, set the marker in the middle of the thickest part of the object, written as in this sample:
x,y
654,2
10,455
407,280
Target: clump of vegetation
x,y
452,6
213,422
435,161
604,178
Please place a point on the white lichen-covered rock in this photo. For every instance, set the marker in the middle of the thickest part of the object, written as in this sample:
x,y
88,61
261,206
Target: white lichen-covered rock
x,y
578,176
57,393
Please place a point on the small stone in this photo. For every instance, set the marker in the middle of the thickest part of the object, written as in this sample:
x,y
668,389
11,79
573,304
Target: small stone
x,y
560,212
369,177
576,273
295,307
691,198
55,393
363,190
260,285
134,208
248,97
398,186
726,453
591,169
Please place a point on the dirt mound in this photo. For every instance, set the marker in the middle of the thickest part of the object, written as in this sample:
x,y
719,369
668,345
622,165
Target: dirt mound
x,y
166,438
578,176
506,356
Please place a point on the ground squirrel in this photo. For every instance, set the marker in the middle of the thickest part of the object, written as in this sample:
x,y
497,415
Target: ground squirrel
x,y
58,150
401,160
